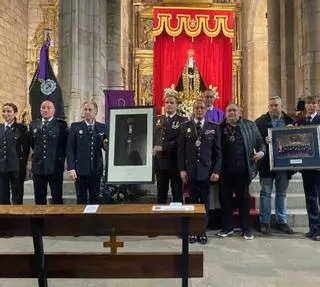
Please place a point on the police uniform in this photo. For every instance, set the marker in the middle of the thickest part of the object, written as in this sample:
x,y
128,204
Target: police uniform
x,y
84,155
199,154
167,132
48,141
14,152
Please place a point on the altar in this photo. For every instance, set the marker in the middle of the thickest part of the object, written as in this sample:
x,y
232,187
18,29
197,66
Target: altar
x,y
173,38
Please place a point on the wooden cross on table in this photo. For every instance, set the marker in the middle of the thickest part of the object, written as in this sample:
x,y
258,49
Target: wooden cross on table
x,y
113,244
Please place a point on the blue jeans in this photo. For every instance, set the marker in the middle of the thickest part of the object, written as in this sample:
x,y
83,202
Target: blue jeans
x,y
281,183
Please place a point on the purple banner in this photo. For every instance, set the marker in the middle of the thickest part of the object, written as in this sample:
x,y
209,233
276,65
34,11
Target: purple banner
x,y
43,60
118,98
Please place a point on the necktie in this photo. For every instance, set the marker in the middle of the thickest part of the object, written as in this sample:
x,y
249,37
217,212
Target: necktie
x,y
90,130
45,123
198,128
308,120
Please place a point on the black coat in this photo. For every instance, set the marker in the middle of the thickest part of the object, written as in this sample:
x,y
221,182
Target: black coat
x,y
264,123
84,154
167,132
199,162
14,147
303,122
49,146
252,141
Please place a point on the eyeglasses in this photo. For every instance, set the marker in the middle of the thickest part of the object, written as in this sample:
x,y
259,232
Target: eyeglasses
x,y
199,108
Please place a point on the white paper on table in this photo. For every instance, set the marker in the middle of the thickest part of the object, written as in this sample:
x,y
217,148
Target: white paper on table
x,y
91,208
173,208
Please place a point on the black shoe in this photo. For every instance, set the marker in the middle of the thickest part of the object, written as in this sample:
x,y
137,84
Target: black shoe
x,y
265,229
310,234
203,239
316,236
248,235
225,233
284,227
193,239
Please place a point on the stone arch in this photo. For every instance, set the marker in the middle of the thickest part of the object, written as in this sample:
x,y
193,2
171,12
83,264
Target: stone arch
x,y
256,77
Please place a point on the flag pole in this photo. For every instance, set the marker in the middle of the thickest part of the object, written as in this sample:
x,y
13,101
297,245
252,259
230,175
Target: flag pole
x,y
26,117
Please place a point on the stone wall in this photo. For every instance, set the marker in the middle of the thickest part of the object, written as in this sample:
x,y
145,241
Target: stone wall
x,y
255,58
13,51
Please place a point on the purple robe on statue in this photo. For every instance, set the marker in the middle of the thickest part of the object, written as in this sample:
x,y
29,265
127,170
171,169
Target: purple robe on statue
x,y
215,115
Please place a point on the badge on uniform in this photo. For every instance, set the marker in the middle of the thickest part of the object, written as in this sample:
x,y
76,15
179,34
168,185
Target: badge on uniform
x,y
175,125
210,132
80,132
188,130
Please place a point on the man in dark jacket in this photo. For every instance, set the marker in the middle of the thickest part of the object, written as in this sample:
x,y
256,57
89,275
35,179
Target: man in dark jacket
x,y
84,157
311,178
199,157
275,118
242,147
48,139
165,150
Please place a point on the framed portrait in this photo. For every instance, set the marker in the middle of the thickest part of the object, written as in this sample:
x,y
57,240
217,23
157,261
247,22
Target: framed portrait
x,y
129,154
294,148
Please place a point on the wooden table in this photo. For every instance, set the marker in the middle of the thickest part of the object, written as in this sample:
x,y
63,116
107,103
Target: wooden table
x,y
113,220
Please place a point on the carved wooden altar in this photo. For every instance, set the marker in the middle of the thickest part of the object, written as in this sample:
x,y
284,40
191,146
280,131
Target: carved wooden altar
x,y
143,44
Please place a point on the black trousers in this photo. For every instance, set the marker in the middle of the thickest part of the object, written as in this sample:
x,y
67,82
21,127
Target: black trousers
x,y
40,183
163,179
199,193
88,186
15,181
311,186
237,183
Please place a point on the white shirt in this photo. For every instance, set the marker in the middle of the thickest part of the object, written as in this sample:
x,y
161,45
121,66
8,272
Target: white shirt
x,y
170,116
48,120
202,122
8,125
312,116
88,124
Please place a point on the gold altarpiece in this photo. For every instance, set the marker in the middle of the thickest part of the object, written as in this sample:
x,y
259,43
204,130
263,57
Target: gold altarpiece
x,y
143,44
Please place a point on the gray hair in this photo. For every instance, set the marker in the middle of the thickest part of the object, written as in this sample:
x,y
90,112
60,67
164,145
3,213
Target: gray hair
x,y
275,98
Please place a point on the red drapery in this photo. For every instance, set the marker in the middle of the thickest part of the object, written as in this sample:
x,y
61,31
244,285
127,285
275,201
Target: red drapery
x,y
213,55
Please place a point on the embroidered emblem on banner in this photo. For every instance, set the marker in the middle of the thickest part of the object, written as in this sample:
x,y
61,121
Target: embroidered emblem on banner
x,y
48,87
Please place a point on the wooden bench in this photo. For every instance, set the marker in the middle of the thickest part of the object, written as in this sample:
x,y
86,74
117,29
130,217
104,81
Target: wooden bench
x,y
111,220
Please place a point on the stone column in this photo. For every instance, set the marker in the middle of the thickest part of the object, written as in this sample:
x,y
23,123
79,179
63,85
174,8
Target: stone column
x,y
115,80
311,46
274,51
287,56
83,50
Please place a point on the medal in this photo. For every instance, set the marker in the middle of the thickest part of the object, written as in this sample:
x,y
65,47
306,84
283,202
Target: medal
x,y
198,143
232,138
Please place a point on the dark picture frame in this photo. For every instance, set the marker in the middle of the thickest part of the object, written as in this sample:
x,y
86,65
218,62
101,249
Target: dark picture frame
x,y
129,157
295,148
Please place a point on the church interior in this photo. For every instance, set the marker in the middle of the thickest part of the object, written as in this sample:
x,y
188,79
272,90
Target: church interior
x,y
246,51
110,44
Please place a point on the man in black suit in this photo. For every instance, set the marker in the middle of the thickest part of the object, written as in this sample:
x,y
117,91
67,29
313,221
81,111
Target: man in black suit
x,y
165,150
311,178
14,152
199,157
84,156
48,138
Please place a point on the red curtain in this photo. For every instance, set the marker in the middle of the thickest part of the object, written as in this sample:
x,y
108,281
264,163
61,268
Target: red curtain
x,y
213,57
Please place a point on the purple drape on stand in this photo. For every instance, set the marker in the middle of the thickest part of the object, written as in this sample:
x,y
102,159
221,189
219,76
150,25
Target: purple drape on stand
x,y
118,98
43,60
